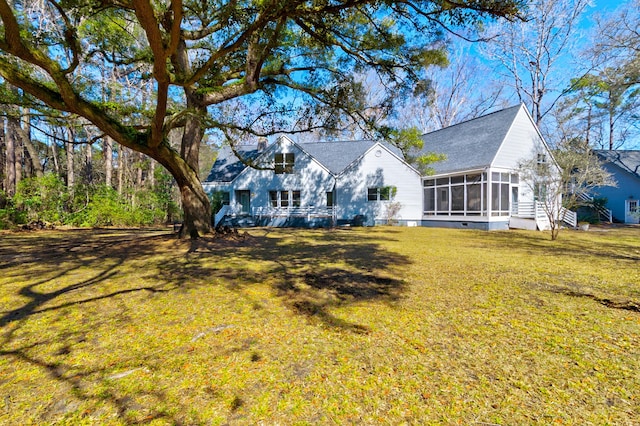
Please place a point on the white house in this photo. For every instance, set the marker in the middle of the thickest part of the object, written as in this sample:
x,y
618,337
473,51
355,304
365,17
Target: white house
x,y
316,184
479,183
369,182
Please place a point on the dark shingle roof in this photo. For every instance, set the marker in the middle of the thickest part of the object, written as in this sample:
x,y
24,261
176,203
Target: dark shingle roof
x,y
627,160
336,156
472,144
227,166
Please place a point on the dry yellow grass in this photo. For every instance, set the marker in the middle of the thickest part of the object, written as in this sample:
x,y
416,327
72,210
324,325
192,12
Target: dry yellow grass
x,y
371,326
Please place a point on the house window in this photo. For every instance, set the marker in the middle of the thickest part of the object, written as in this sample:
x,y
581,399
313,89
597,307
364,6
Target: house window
x,y
221,198
330,199
283,163
456,195
540,192
382,193
500,194
274,198
443,199
284,199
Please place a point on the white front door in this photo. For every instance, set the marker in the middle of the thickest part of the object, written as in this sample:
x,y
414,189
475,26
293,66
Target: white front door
x,y
631,211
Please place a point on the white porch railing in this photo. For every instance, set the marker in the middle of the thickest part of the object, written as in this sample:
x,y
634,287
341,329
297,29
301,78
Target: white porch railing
x,y
569,217
534,210
225,210
260,212
308,212
524,209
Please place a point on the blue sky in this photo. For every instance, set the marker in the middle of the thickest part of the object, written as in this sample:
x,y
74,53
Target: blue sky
x,y
569,66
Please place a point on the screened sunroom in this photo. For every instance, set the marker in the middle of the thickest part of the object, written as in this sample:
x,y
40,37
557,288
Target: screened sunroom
x,y
479,196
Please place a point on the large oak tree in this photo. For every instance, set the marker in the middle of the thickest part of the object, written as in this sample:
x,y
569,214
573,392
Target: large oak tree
x,y
239,66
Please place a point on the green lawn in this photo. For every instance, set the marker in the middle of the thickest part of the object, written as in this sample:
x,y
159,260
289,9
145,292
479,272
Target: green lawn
x,y
371,326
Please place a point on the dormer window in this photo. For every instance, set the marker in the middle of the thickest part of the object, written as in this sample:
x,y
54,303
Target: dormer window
x,y
283,163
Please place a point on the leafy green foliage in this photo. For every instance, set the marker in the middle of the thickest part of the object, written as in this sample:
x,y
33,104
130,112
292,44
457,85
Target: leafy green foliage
x,y
409,141
254,67
47,199
106,208
42,199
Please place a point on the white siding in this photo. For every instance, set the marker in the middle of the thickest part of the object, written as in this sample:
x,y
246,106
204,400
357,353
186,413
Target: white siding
x,y
379,168
523,142
308,177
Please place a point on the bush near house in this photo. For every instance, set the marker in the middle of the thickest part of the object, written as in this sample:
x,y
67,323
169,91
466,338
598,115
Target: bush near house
x,y
47,199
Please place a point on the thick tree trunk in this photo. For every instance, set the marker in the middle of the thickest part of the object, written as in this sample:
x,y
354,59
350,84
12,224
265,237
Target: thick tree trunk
x,y
197,211
195,202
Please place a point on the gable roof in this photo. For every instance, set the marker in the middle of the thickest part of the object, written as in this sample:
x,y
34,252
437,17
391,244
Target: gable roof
x,y
627,160
472,144
335,156
227,166
338,155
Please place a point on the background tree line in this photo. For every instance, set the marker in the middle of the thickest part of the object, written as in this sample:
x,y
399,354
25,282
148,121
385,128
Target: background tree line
x,y
57,170
83,83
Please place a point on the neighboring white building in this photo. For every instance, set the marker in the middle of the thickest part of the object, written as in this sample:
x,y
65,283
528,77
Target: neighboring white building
x,y
361,182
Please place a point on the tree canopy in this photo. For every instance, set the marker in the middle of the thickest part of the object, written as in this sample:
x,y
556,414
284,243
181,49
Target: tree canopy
x,y
136,69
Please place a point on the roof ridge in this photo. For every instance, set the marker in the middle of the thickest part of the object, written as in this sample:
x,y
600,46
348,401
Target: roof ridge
x,y
473,119
340,141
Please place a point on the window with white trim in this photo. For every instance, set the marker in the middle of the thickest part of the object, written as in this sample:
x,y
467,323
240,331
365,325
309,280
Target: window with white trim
x,y
381,193
283,162
285,198
330,199
461,195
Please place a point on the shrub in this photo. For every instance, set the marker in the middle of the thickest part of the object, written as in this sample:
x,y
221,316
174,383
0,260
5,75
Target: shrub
x,y
105,207
41,198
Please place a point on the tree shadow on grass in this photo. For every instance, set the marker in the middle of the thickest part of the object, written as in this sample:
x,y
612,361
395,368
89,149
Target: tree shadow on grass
x,y
311,272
